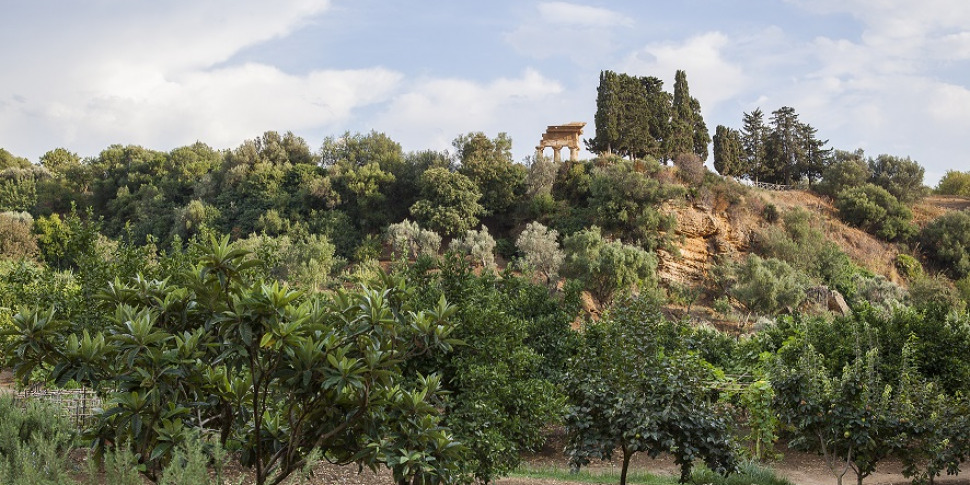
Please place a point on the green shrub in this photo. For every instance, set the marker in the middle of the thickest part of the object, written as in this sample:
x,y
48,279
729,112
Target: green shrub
x,y
954,183
34,442
768,286
770,213
947,242
909,266
875,210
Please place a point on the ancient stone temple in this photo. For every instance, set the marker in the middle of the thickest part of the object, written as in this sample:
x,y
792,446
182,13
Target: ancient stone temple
x,y
559,136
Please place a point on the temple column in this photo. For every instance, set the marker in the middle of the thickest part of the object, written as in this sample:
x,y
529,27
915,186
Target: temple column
x,y
573,154
556,156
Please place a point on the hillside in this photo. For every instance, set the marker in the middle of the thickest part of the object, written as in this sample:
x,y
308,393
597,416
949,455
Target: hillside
x,y
706,232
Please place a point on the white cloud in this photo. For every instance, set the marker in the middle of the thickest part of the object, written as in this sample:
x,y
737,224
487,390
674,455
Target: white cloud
x,y
581,33
157,74
562,13
434,111
711,76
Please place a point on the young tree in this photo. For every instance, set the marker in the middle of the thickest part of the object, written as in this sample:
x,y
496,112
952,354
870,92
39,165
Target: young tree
x,y
409,240
273,371
635,386
843,418
607,267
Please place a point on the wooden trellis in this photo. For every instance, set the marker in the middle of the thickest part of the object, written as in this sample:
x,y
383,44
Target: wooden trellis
x,y
77,405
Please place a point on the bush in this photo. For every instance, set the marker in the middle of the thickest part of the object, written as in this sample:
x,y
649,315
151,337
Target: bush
x,y
947,242
954,183
768,286
34,442
909,266
842,175
540,250
875,210
690,168
16,240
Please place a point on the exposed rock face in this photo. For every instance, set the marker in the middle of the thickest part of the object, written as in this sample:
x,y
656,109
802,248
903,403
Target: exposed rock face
x,y
703,236
821,297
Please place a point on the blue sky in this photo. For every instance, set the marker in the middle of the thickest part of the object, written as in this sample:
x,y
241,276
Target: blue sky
x,y
888,76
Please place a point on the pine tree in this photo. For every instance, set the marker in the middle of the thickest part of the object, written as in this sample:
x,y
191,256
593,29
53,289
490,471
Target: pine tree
x,y
753,135
784,148
816,156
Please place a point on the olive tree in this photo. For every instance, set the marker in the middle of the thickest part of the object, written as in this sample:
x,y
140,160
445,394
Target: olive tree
x,y
540,249
478,245
606,267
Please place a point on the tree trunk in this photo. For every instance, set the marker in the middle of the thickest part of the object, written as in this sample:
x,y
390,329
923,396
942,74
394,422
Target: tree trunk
x,y
626,465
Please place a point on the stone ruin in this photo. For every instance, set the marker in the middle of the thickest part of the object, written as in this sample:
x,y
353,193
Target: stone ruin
x,y
559,136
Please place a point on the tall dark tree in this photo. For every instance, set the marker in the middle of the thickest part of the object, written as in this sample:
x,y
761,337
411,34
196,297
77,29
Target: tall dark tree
x,y
607,116
753,135
784,148
729,156
816,156
702,137
681,119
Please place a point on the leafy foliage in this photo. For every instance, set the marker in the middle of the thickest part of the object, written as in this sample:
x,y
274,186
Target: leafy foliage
x,y
409,240
540,249
449,202
954,182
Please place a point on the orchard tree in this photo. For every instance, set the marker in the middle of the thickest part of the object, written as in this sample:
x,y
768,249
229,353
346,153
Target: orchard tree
x,y
275,372
635,387
844,418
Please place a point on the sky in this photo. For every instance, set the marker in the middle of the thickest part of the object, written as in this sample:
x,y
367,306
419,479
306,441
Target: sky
x,y
887,76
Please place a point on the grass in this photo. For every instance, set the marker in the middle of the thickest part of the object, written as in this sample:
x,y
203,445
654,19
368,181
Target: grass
x,y
749,474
